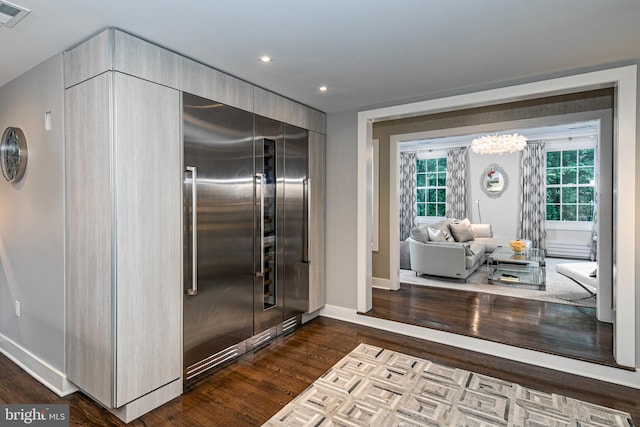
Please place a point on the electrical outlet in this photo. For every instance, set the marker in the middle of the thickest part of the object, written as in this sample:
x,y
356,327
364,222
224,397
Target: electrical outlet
x,y
17,308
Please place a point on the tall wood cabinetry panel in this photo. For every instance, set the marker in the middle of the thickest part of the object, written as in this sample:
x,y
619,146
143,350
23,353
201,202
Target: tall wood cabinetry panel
x,y
148,188
317,275
89,355
124,238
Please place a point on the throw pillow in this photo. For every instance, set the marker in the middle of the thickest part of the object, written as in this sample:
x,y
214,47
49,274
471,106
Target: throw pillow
x,y
448,237
467,222
436,235
421,234
461,232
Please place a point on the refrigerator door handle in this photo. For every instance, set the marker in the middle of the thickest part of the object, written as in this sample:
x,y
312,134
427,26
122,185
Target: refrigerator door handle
x,y
194,231
260,184
307,220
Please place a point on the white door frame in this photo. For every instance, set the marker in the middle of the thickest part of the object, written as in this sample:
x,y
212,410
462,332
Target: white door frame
x,y
625,80
605,312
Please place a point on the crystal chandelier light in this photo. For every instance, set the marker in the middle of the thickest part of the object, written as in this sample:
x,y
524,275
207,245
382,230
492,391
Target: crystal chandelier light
x,y
498,144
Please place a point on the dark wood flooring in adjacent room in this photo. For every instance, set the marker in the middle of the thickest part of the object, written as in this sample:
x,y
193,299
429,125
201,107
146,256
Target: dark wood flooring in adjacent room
x,y
252,389
561,329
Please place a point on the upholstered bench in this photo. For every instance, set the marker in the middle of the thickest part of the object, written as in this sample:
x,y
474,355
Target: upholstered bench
x,y
583,273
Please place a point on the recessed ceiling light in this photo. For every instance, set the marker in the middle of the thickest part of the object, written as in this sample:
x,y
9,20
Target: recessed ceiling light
x,y
323,88
265,59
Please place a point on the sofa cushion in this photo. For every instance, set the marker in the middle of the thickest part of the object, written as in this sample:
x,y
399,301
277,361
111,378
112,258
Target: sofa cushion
x,y
482,230
443,224
421,233
461,232
476,247
471,260
405,257
471,248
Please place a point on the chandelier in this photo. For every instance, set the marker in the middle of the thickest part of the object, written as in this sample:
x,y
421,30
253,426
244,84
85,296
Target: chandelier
x,y
498,144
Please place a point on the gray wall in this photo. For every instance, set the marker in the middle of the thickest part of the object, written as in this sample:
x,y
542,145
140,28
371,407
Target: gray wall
x,y
32,218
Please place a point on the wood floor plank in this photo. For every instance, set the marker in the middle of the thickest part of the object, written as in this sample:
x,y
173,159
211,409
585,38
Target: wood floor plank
x,y
560,329
250,390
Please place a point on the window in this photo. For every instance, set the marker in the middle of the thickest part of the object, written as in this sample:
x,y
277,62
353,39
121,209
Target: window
x,y
431,186
570,185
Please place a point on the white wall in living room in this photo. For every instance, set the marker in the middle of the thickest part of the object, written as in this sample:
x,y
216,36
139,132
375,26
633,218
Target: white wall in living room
x,y
500,212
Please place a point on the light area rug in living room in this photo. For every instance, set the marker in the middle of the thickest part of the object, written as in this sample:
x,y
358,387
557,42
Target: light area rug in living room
x,y
559,288
372,386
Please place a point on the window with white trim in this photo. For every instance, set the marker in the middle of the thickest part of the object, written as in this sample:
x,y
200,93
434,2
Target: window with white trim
x,y
431,186
570,184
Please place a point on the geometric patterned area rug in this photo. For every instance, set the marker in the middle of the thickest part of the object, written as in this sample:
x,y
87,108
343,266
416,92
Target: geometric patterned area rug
x,y
372,386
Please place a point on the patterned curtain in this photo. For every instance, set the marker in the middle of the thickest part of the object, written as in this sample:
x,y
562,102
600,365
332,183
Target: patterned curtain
x,y
532,195
408,213
456,183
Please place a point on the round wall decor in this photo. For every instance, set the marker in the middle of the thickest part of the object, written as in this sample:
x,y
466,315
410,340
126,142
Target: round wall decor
x,y
13,154
493,181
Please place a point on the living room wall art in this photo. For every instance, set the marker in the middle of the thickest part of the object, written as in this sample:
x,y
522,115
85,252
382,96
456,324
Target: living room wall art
x,y
493,181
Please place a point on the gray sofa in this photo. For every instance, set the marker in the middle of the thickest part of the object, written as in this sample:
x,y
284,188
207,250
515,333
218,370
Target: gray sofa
x,y
450,254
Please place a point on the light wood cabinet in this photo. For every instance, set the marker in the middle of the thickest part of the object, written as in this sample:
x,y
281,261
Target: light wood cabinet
x,y
274,106
124,209
124,262
89,291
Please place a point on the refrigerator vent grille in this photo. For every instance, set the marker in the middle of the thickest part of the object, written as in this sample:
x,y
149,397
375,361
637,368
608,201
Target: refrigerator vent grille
x,y
262,338
212,361
289,324
11,14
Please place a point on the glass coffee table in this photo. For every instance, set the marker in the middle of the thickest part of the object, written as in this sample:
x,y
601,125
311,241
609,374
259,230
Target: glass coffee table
x,y
517,268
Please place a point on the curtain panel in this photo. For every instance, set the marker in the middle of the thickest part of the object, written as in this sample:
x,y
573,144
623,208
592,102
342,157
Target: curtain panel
x,y
531,225
457,183
408,207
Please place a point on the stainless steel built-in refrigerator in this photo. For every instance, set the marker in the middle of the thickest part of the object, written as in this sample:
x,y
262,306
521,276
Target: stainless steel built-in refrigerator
x,y
245,231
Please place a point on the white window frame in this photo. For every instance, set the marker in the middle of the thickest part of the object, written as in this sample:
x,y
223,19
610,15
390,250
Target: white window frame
x,y
568,145
425,155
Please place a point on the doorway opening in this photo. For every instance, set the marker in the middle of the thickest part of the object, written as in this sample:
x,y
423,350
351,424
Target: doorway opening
x,y
624,80
587,149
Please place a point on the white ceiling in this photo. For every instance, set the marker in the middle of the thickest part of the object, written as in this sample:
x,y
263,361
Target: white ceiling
x,y
367,52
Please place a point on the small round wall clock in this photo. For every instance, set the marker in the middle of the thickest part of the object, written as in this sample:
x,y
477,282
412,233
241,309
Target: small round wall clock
x,y
13,154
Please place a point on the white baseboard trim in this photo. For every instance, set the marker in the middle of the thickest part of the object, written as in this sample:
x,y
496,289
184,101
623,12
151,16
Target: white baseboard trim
x,y
376,282
39,369
558,363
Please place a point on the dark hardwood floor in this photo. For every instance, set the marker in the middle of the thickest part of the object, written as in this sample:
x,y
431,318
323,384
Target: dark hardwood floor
x,y
252,389
560,329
